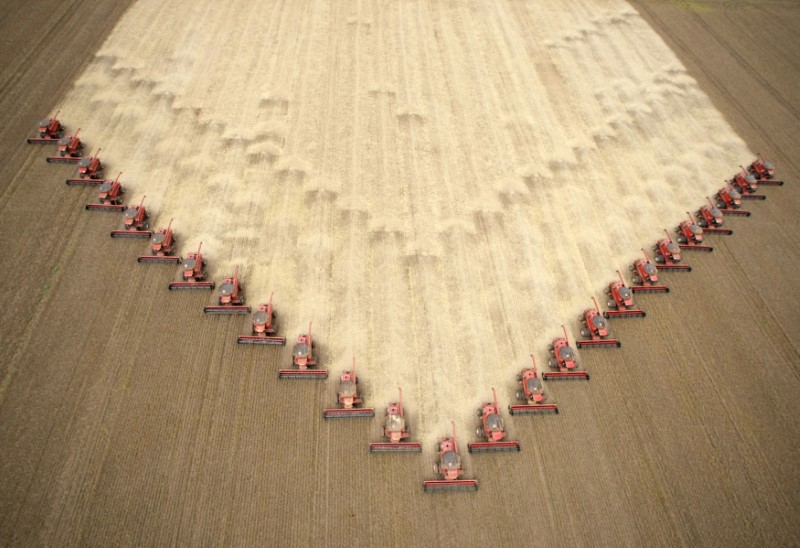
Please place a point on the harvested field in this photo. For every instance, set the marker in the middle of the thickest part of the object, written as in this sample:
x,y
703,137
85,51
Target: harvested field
x,y
399,195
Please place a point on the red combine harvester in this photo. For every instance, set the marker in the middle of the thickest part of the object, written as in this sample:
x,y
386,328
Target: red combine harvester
x,y
349,400
109,197
763,171
711,219
193,273
134,219
69,149
162,247
492,430
645,277
729,201
303,360
49,131
231,297
395,429
668,255
747,185
264,327
562,358
90,171
532,393
690,235
621,301
595,327
448,467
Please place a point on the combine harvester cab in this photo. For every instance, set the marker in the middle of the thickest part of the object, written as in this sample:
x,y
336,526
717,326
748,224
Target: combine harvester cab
x,y
729,201
448,468
690,235
303,359
69,150
711,219
162,247
763,171
264,327
395,430
49,131
668,255
109,196
747,185
193,273
595,327
621,301
532,393
645,277
562,358
135,221
349,399
231,297
492,429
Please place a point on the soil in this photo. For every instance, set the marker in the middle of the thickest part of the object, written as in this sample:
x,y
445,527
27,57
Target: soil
x,y
405,176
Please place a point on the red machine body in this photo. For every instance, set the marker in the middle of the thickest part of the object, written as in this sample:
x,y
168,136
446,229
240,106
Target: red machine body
x,y
492,429
448,468
162,246
303,359
729,201
109,196
49,131
264,327
668,255
532,393
645,276
349,399
595,327
763,171
193,273
711,219
231,297
395,430
69,150
562,358
621,301
135,221
690,235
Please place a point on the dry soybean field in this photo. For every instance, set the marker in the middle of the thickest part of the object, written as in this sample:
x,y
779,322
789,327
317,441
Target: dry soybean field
x,y
438,186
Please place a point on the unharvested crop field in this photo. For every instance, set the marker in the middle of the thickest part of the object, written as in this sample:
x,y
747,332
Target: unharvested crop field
x,y
438,185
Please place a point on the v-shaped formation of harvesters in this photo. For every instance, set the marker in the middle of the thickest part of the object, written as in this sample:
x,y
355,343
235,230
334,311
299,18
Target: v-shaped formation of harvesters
x,y
395,433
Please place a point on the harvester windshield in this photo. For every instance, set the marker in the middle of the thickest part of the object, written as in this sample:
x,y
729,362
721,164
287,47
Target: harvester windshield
x,y
451,460
395,423
300,350
495,423
347,389
534,385
567,354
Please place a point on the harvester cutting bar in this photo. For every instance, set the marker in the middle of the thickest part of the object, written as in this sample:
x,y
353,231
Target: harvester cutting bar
x,y
492,446
303,374
353,413
227,309
399,447
629,313
43,140
761,182
105,207
753,197
674,267
131,234
694,247
445,486
175,286
64,159
736,212
715,230
566,375
533,408
649,289
599,342
86,182
159,259
255,339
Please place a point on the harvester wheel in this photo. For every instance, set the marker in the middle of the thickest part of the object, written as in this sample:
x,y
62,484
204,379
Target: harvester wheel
x,y
549,347
584,333
479,432
611,304
631,268
551,363
520,395
637,280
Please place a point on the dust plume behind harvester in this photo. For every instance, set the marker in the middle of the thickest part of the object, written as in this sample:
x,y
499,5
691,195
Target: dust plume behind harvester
x,y
562,359
348,398
711,219
49,131
763,171
448,468
231,297
162,247
109,196
264,327
193,273
492,429
531,391
69,150
690,235
668,255
303,360
395,429
595,327
645,276
620,302
135,222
